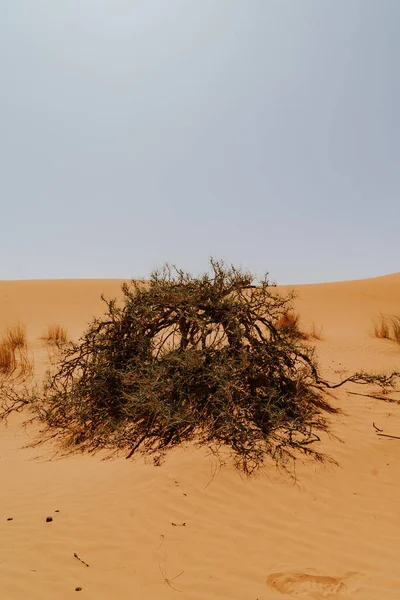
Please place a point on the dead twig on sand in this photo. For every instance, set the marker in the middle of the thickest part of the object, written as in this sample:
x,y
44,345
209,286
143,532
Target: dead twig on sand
x,y
167,580
376,428
380,433
82,561
385,398
393,437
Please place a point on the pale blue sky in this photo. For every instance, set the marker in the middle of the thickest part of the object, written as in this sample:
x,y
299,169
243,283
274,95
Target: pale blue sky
x,y
264,132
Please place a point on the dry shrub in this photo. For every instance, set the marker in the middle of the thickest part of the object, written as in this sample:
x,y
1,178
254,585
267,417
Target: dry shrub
x,y
214,360
56,335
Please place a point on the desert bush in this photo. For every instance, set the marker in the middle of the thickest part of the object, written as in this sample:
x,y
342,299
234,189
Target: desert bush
x,y
56,335
191,359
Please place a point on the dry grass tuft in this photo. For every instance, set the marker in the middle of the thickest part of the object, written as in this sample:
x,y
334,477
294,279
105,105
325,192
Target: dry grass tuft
x,y
395,323
316,332
381,329
388,328
16,337
289,324
7,358
14,357
289,320
56,335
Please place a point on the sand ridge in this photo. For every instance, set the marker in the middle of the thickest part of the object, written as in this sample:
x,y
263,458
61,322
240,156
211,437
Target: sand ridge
x,y
335,534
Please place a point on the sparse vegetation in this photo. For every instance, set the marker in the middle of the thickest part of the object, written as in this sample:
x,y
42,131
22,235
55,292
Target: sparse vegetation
x,y
7,358
14,358
16,337
217,360
388,328
381,328
316,332
289,324
395,322
56,335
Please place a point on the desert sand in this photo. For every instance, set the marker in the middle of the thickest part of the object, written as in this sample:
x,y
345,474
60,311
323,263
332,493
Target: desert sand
x,y
186,528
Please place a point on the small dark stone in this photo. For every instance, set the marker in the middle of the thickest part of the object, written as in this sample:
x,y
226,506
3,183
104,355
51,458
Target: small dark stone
x,y
57,510
78,589
49,519
10,519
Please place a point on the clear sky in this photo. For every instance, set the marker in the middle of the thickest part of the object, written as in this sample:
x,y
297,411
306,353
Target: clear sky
x,y
263,132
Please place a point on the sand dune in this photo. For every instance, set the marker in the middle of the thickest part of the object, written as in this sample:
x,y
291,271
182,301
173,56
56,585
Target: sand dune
x,y
186,529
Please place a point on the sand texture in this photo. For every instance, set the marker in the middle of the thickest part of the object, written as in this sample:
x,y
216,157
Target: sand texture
x,y
186,529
